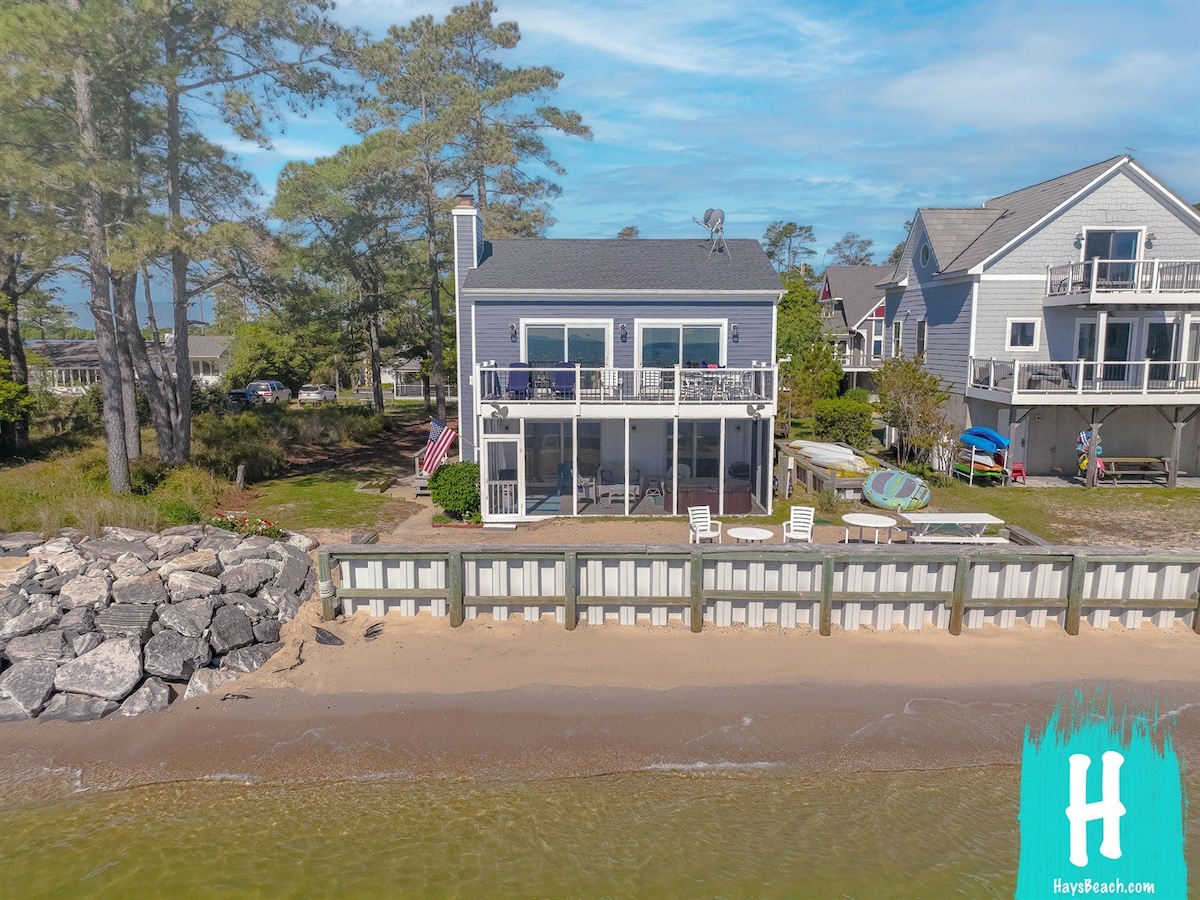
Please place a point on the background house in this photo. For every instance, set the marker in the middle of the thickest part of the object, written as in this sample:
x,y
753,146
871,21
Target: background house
x,y
75,365
615,376
1071,304
853,314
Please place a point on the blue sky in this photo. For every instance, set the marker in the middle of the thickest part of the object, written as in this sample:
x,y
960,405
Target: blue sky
x,y
843,116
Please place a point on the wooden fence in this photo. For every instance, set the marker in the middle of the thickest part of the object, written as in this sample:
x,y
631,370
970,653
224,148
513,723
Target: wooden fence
x,y
819,586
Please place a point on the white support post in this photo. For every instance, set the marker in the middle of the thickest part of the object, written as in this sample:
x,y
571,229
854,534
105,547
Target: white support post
x,y
721,473
626,479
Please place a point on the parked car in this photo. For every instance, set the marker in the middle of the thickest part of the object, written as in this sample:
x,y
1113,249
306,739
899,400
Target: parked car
x,y
242,399
316,393
272,391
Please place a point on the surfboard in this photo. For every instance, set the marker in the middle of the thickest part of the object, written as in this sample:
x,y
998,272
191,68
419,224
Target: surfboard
x,y
889,489
995,437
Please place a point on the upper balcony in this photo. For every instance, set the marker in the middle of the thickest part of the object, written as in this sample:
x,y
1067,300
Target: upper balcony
x,y
1145,382
859,361
522,391
1124,281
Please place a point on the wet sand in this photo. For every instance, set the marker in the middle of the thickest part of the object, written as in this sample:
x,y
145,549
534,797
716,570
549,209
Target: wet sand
x,y
534,700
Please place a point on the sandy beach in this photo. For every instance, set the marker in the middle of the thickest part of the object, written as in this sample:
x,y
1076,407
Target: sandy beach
x,y
517,699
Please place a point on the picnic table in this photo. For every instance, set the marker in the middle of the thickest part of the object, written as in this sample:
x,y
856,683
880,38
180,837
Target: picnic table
x,y
1137,466
952,528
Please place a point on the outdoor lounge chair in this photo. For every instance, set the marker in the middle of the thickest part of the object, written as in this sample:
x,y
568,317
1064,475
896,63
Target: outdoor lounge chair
x,y
702,526
518,380
564,381
800,527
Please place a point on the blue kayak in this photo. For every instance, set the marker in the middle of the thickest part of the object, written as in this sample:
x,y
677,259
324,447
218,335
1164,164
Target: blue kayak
x,y
995,437
979,442
889,489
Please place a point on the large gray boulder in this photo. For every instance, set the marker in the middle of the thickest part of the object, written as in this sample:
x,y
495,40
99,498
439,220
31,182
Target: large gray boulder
x,y
191,617
188,585
11,711
218,540
53,547
33,619
128,566
77,708
205,681
266,631
247,577
254,607
168,546
111,671
301,542
121,533
111,548
19,541
86,642
202,561
84,590
50,645
78,620
244,553
16,569
30,684
153,696
249,659
172,656
286,603
11,604
68,564
230,629
293,572
142,589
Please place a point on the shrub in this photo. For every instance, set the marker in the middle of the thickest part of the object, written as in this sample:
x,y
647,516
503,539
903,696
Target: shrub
x,y
207,399
826,501
179,512
222,443
843,420
858,395
455,488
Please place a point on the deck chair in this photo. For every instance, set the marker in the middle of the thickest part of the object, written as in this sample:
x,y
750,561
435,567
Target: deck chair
x,y
800,527
564,381
702,526
518,380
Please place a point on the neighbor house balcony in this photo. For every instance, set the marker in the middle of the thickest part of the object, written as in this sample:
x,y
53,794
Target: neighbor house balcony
x,y
1145,382
1123,281
859,361
523,391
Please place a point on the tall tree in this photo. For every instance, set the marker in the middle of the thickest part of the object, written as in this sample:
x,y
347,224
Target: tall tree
x,y
628,233
788,245
898,251
46,317
852,250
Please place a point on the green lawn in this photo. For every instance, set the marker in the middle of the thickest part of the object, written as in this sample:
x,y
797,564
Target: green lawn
x,y
323,500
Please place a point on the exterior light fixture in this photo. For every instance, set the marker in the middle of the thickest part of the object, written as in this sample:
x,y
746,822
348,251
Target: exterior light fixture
x,y
512,332
733,333
624,329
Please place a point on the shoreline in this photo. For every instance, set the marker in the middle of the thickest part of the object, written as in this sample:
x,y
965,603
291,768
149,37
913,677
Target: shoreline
x,y
506,699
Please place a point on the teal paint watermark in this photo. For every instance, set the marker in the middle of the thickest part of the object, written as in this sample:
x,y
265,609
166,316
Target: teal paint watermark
x,y
1102,806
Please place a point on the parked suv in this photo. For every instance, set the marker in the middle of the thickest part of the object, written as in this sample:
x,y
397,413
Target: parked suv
x,y
316,393
271,391
242,399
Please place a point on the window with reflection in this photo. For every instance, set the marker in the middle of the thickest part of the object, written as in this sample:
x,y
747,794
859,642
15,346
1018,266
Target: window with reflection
x,y
548,345
664,346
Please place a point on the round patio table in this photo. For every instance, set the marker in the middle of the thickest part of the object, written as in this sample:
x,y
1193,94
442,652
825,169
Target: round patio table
x,y
868,520
750,535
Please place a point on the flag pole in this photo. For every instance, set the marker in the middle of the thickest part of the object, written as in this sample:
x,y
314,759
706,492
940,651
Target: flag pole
x,y
460,437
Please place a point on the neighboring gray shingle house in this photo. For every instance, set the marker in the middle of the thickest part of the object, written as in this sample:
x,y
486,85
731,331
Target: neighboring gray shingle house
x,y
209,355
76,364
853,316
613,375
1069,304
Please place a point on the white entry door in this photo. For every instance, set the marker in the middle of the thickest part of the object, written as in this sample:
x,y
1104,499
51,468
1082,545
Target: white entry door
x,y
502,478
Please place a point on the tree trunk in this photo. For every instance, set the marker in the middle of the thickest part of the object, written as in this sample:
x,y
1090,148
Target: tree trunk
x,y
435,295
182,448
373,345
15,433
133,431
125,298
162,375
91,206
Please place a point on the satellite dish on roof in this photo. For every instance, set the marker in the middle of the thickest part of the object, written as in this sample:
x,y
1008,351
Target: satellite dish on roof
x,y
714,221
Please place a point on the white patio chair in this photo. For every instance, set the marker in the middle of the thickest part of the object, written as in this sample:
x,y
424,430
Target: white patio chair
x,y
800,527
610,384
702,526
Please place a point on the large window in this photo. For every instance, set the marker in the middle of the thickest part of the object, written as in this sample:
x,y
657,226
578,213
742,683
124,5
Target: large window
x,y
1111,245
699,448
1022,334
897,340
585,343
665,345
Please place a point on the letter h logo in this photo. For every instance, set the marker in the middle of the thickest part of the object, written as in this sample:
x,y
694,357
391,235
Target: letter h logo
x,y
1108,807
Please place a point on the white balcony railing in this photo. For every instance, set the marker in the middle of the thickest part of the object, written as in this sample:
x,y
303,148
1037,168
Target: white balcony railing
x,y
1083,377
584,385
1108,276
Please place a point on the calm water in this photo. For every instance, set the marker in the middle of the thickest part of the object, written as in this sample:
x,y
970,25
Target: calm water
x,y
756,833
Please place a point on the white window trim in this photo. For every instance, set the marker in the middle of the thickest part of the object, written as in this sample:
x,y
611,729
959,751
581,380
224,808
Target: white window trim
x,y
640,324
1141,240
1037,334
606,324
897,339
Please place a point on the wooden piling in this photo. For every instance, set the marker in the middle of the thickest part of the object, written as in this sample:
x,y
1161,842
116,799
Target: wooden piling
x,y
570,589
1075,593
962,572
454,587
696,569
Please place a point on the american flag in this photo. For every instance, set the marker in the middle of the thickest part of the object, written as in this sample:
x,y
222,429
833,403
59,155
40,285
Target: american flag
x,y
441,439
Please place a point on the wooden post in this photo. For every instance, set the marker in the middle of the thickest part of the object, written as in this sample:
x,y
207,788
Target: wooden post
x,y
826,627
697,599
241,477
962,572
1176,443
1075,594
1196,617
454,587
328,593
1093,465
571,588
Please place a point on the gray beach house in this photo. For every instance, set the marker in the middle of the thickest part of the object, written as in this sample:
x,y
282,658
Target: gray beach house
x,y
853,316
1071,304
615,377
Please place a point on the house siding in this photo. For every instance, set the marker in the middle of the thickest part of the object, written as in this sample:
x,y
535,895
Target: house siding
x,y
1120,202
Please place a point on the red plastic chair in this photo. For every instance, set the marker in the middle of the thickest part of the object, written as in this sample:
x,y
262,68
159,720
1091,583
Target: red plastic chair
x,y
1018,471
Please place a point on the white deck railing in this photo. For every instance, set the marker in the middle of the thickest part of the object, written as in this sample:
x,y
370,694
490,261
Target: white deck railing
x,y
1084,377
581,384
1106,276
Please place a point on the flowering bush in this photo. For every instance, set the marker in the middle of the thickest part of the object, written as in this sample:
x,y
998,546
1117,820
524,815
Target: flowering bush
x,y
247,525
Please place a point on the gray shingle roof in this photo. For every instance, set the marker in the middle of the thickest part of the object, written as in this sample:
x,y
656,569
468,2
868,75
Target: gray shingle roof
x,y
856,286
206,346
622,265
951,231
67,354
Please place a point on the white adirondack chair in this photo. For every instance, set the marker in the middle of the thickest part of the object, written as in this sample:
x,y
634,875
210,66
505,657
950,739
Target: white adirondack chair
x,y
800,527
702,526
